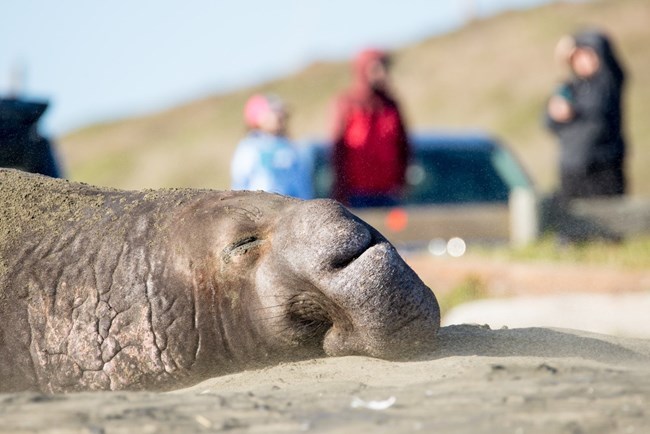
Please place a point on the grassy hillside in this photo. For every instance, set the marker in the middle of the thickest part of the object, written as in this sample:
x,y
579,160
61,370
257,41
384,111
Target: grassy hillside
x,y
493,74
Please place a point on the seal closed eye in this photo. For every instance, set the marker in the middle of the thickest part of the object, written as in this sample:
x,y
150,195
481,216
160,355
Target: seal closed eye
x,y
240,247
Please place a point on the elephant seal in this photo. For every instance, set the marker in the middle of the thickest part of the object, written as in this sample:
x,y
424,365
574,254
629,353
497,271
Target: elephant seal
x,y
102,289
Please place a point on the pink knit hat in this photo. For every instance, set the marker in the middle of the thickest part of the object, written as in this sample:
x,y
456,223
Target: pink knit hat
x,y
258,106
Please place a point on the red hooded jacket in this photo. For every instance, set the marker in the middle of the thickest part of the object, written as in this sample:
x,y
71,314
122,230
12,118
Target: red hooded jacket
x,y
371,148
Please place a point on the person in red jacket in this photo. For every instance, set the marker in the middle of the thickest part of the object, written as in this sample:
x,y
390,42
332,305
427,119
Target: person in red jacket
x,y
371,148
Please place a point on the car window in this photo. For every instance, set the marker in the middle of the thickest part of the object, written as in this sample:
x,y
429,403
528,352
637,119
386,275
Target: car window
x,y
454,176
509,169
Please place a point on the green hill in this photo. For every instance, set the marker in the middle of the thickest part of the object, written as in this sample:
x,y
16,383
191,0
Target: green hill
x,y
493,74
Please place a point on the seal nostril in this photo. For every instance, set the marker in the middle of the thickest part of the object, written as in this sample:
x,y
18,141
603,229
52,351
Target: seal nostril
x,y
345,262
354,252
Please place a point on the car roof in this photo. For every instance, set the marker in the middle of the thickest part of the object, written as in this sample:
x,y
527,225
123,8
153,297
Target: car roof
x,y
465,140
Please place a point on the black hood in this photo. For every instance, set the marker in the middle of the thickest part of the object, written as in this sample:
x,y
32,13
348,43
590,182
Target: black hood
x,y
600,43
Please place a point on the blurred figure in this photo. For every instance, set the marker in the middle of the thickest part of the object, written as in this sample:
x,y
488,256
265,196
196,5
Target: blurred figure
x,y
21,146
265,159
371,148
586,115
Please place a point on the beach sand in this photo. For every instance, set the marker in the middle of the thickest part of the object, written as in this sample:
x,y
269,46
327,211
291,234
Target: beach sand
x,y
529,380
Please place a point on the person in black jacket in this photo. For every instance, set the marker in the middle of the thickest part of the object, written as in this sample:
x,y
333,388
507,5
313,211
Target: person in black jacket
x,y
585,114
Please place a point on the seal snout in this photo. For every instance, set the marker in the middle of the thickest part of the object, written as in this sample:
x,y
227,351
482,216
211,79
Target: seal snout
x,y
354,294
392,313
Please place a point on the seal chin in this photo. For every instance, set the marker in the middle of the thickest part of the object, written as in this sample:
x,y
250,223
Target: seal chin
x,y
339,342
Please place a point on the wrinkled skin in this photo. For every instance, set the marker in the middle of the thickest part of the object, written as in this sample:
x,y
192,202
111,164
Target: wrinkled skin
x,y
104,289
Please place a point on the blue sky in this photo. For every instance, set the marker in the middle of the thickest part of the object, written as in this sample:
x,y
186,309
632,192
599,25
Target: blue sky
x,y
101,60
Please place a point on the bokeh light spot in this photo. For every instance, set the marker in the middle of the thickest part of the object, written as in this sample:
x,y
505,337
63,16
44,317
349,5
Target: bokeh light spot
x,y
397,220
456,247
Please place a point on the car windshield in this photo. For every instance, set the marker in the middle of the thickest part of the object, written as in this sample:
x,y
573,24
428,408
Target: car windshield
x,y
454,176
445,174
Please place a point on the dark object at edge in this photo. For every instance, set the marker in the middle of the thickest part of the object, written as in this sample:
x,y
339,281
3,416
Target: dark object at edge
x,y
21,146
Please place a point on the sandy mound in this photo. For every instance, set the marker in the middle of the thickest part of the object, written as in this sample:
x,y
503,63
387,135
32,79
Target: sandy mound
x,y
621,314
531,380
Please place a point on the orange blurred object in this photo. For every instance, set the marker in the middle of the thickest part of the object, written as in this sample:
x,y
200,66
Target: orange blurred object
x,y
397,219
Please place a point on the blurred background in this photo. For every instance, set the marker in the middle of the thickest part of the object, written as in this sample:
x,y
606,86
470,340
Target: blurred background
x,y
136,87
150,94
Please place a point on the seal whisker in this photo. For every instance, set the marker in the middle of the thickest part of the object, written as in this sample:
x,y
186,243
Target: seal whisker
x,y
270,307
273,317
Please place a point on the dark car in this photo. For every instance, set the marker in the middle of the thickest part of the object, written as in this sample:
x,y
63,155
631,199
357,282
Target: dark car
x,y
458,185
